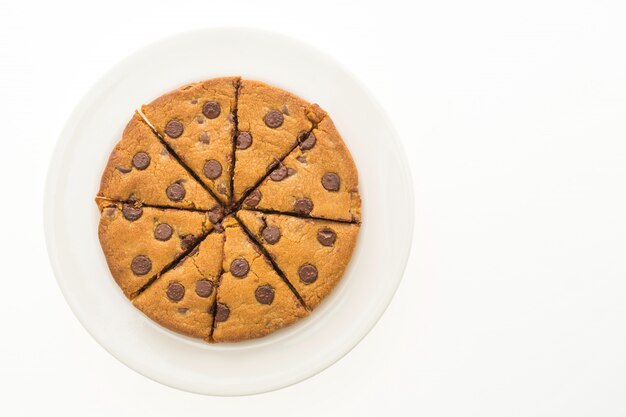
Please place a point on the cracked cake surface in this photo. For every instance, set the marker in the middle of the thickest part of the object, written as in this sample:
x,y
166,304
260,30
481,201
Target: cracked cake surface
x,y
229,209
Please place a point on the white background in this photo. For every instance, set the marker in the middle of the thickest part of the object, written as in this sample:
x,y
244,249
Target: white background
x,y
513,116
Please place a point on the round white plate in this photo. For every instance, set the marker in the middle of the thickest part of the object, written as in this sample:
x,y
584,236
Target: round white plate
x,y
292,354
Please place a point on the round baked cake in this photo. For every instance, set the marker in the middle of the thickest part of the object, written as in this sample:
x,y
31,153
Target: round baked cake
x,y
229,209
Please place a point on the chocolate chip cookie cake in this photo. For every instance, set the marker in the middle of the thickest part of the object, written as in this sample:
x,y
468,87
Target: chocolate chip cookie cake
x,y
228,209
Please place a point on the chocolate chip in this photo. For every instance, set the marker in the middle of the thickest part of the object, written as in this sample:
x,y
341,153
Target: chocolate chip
x,y
124,170
204,138
130,212
264,294
221,312
204,288
215,215
163,232
307,273
141,265
174,129
219,228
239,267
194,101
175,192
221,188
175,291
290,172
303,206
271,234
187,241
279,173
253,199
307,141
211,109
183,310
330,181
212,169
327,237
301,159
141,160
109,211
274,119
200,119
244,140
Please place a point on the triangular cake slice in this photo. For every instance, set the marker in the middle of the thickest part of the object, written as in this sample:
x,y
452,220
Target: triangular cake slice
x,y
313,254
182,298
141,169
139,242
197,122
252,299
318,179
270,121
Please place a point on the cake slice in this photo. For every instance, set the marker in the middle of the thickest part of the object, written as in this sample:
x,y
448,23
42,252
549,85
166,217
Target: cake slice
x,y
141,169
182,298
317,179
313,254
139,242
252,299
270,122
197,122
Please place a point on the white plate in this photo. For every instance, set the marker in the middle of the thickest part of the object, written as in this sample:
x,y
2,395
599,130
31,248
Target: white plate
x,y
292,354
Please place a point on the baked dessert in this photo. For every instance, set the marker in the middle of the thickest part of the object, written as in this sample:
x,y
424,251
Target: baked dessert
x,y
197,121
140,242
252,300
141,169
270,122
317,179
311,253
182,298
229,209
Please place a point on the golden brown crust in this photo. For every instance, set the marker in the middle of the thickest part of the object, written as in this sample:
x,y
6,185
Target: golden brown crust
x,y
191,314
123,240
123,181
204,137
299,245
315,113
249,318
304,178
